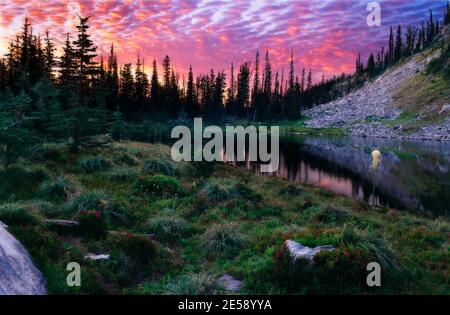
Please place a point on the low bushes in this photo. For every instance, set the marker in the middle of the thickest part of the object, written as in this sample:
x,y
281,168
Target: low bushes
x,y
61,188
125,159
98,201
94,164
122,174
222,240
140,249
92,224
167,228
341,271
159,166
21,181
215,191
19,214
371,241
192,284
158,186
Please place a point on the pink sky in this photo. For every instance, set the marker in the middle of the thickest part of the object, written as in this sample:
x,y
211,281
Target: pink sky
x,y
325,35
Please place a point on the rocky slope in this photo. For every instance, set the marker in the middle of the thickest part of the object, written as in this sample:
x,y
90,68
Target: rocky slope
x,y
374,110
18,275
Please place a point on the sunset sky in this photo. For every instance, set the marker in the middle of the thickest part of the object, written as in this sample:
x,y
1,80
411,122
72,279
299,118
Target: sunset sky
x,y
325,35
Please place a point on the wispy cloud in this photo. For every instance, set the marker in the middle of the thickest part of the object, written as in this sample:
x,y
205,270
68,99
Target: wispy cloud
x,y
325,35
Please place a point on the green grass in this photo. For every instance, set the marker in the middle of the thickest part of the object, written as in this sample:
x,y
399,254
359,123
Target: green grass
x,y
424,94
181,232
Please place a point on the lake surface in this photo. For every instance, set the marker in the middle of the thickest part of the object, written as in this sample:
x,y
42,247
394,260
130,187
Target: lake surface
x,y
413,176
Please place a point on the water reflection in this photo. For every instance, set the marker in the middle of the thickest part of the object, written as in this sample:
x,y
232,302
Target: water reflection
x,y
406,175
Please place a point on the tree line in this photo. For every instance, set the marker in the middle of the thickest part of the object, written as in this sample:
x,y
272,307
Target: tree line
x,y
79,93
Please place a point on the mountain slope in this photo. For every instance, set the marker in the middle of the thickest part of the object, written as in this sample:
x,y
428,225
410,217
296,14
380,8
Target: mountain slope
x,y
405,102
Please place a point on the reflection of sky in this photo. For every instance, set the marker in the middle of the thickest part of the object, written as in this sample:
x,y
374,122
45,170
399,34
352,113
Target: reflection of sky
x,y
325,35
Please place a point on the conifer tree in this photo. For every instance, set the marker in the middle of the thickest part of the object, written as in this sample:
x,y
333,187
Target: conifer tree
x,y
141,88
371,66
155,94
112,81
291,72
49,56
398,44
86,68
15,134
391,53
309,86
447,14
242,98
190,95
255,90
126,90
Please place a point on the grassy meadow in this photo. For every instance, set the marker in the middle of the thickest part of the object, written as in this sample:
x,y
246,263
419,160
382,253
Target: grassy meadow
x,y
175,228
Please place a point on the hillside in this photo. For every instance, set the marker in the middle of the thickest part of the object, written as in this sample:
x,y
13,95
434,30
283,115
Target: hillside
x,y
406,102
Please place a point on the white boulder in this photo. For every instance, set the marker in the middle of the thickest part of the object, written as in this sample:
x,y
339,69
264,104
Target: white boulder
x,y
18,274
299,251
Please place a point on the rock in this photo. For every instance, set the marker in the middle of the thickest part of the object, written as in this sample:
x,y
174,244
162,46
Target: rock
x,y
97,257
18,274
229,283
445,109
298,251
64,223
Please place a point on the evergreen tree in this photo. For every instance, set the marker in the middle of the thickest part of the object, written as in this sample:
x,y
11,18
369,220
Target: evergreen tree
x,y
302,86
291,72
49,56
166,70
231,94
190,95
86,69
309,86
126,90
155,88
447,14
255,90
112,81
371,66
16,137
410,40
398,45
141,89
391,53
243,92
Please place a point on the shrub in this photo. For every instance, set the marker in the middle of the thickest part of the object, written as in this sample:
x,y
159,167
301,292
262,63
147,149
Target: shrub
x,y
341,271
141,249
44,208
371,241
122,174
158,185
218,190
59,189
98,201
92,224
21,181
331,216
222,240
18,214
192,284
167,228
159,166
247,193
292,191
125,159
94,164
53,152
